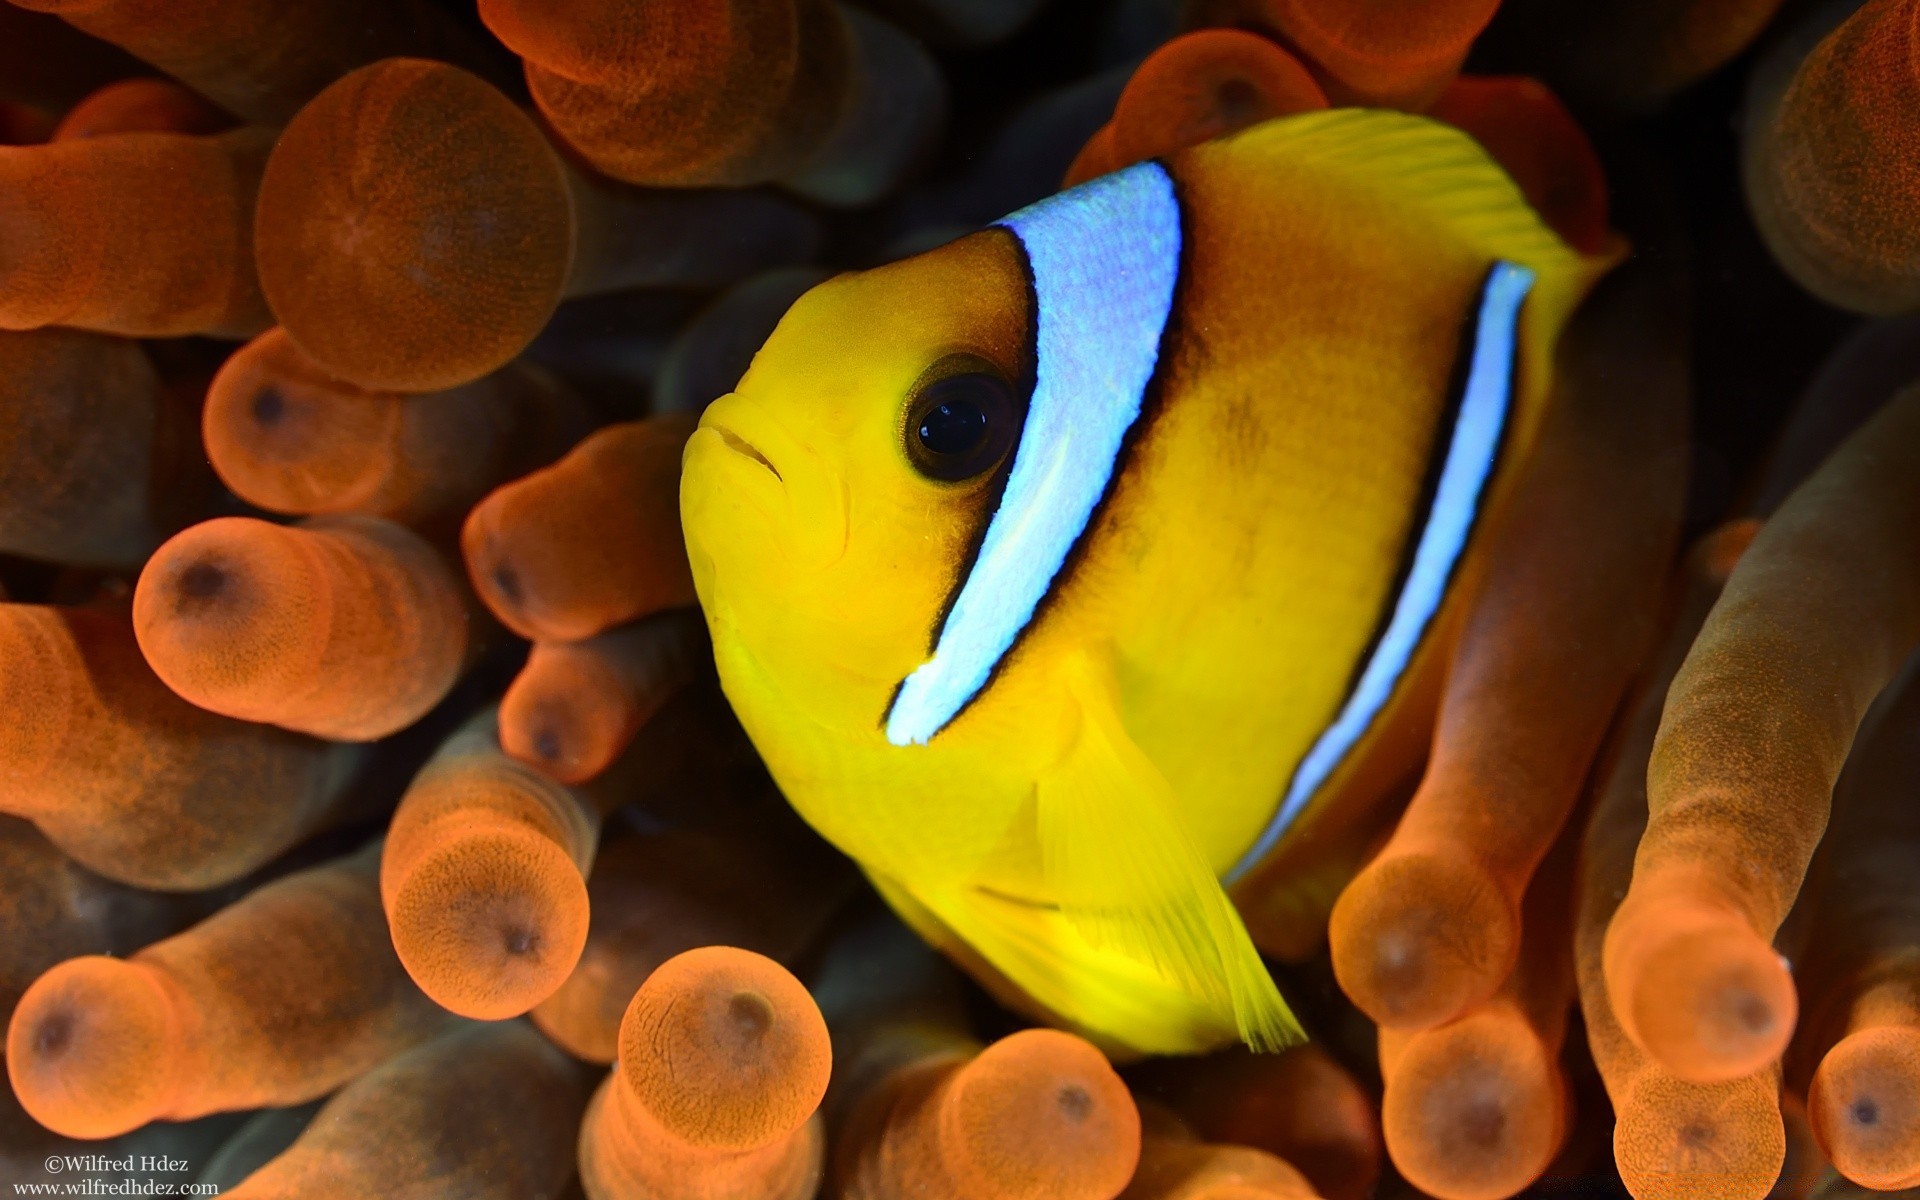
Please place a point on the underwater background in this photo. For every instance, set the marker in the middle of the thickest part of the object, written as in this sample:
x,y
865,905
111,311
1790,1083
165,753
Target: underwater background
x,y
376,823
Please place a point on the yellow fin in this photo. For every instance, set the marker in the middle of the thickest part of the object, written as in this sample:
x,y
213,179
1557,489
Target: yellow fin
x,y
1429,164
1129,878
1034,962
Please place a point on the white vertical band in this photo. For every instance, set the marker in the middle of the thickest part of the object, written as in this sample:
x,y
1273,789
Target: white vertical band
x,y
1104,257
1475,444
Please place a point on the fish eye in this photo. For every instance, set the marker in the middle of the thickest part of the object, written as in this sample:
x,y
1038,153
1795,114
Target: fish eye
x,y
961,425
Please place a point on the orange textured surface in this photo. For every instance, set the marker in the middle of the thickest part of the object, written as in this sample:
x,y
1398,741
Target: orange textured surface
x,y
345,627
478,229
97,462
1865,1100
1812,625
134,782
684,93
288,437
147,234
1832,163
486,1112
1558,625
575,706
1177,1168
143,105
256,58
1673,1140
1531,134
1038,1115
1204,85
589,543
655,896
1861,974
1478,1108
1300,1105
1366,52
723,1062
276,1000
484,878
54,909
448,269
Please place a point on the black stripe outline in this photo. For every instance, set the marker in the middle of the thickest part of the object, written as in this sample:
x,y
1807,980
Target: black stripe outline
x,y
1152,402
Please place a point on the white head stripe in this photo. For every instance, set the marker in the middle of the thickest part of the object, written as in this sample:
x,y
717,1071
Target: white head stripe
x,y
1104,258
1477,430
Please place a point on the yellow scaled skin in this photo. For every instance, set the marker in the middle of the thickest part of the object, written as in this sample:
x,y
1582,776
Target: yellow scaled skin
x,y
1225,593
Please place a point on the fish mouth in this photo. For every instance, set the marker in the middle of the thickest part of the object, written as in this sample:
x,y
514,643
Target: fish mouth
x,y
746,449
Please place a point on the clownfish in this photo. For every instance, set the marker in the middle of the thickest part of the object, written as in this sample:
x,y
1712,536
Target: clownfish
x,y
1056,572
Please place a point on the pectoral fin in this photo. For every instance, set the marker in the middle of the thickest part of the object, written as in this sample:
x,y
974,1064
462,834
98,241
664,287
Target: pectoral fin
x,y
1129,878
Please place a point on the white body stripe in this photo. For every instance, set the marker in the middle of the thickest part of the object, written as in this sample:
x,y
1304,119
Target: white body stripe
x,y
1105,257
1484,409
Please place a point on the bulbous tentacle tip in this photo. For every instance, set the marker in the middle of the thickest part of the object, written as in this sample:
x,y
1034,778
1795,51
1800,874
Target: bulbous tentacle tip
x,y
1039,1113
91,1048
1477,1109
1675,1140
1864,1105
448,269
1705,998
1419,937
491,919
725,1049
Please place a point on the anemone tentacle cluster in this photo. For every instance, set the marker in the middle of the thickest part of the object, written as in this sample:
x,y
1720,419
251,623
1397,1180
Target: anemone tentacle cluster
x,y
373,820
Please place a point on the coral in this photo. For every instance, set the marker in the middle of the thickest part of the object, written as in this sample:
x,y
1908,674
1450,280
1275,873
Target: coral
x,y
1861,976
921,1108
1477,1108
1203,85
1179,1168
1038,1115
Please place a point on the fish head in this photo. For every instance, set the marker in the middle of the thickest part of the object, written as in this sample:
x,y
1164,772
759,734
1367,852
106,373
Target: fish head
x,y
832,503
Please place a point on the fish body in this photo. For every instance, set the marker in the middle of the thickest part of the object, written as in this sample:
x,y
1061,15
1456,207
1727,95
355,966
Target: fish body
x,y
1058,571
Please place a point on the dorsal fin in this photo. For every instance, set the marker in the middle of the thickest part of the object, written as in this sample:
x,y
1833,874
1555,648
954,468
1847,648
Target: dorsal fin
x,y
1430,165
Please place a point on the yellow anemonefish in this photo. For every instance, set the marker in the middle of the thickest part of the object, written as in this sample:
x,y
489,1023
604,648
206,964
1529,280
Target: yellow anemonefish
x,y
1056,572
